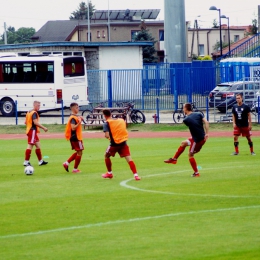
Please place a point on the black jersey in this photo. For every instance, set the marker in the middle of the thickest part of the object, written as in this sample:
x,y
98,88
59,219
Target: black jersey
x,y
34,116
195,124
241,114
73,137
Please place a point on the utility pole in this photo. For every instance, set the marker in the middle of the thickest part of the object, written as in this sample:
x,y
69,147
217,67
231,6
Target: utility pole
x,y
259,19
108,22
5,33
88,24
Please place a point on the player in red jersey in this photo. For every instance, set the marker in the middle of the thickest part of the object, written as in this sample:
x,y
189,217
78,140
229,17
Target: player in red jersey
x,y
242,123
32,129
115,131
73,132
199,128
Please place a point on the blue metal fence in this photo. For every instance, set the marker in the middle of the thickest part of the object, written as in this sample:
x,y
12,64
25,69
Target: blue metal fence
x,y
170,83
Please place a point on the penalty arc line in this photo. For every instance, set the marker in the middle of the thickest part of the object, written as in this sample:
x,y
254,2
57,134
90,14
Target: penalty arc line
x,y
128,221
125,185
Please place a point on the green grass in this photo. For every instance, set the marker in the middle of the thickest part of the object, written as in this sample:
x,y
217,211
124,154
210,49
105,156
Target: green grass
x,y
55,128
167,215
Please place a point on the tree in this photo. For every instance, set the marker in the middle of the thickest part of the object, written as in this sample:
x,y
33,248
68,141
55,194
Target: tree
x,y
22,35
82,12
253,27
216,47
215,24
148,51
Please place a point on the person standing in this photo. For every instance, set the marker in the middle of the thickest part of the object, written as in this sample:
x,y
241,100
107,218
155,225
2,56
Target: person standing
x,y
73,132
242,123
115,131
199,128
32,129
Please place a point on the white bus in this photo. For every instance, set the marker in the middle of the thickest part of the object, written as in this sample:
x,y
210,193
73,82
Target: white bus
x,y
52,80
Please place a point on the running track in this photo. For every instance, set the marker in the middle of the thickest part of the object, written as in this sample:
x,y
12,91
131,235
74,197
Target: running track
x,y
134,134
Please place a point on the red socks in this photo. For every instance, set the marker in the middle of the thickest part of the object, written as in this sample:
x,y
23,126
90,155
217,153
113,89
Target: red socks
x,y
179,152
27,154
193,164
108,164
39,154
77,161
132,167
72,157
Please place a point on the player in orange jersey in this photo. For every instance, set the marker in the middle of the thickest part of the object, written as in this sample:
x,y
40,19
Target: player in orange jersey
x,y
32,129
115,131
73,133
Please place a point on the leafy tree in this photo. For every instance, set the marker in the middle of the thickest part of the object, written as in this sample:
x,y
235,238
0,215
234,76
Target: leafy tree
x,y
253,27
82,12
215,24
22,35
216,47
149,52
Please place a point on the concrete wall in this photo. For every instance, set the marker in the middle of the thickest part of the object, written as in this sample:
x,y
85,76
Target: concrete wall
x,y
120,57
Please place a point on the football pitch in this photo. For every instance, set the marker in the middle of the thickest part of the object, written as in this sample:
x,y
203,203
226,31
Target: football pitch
x,y
167,215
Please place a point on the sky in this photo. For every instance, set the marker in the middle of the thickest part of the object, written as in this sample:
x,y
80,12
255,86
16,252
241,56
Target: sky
x,y
35,13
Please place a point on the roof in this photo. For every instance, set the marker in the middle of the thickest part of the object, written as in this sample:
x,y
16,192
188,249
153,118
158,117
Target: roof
x,y
125,14
61,30
73,44
56,30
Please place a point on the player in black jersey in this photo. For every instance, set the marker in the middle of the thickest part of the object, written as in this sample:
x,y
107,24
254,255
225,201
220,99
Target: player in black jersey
x,y
242,123
199,128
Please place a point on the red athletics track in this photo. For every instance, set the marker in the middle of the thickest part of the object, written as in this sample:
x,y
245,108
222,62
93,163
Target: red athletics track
x,y
135,134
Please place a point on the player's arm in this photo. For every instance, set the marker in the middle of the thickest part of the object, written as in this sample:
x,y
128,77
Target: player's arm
x,y
75,124
107,135
249,121
35,121
206,127
233,117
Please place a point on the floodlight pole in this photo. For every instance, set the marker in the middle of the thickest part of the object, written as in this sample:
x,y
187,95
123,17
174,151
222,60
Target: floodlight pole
x,y
5,34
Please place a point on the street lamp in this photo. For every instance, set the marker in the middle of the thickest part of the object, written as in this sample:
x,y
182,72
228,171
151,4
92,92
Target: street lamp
x,y
224,17
214,8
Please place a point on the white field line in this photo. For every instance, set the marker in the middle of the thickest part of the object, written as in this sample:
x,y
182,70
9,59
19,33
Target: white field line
x,y
100,224
125,185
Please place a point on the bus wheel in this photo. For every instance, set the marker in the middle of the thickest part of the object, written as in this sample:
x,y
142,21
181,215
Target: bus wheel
x,y
7,107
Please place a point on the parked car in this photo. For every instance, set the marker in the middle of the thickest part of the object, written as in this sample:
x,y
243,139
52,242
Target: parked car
x,y
223,96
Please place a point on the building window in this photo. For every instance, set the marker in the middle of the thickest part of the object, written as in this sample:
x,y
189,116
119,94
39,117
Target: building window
x,y
103,34
133,34
98,34
236,38
201,50
161,35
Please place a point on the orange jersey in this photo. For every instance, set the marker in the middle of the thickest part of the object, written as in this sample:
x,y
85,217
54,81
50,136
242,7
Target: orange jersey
x,y
29,121
118,130
78,129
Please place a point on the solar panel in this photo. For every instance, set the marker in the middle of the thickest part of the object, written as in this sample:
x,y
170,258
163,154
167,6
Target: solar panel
x,y
125,14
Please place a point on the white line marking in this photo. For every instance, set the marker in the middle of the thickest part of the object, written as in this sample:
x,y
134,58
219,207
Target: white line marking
x,y
125,185
100,224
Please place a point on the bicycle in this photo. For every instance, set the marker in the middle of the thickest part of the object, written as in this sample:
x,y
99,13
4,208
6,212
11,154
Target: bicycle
x,y
179,115
136,116
89,117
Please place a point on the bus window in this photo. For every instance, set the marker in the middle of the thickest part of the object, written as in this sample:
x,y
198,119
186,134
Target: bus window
x,y
73,67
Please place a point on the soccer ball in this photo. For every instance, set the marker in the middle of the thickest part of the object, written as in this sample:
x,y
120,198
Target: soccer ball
x,y
28,170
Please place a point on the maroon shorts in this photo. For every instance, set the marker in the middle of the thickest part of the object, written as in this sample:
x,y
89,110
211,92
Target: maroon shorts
x,y
196,147
77,145
122,150
244,131
33,137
